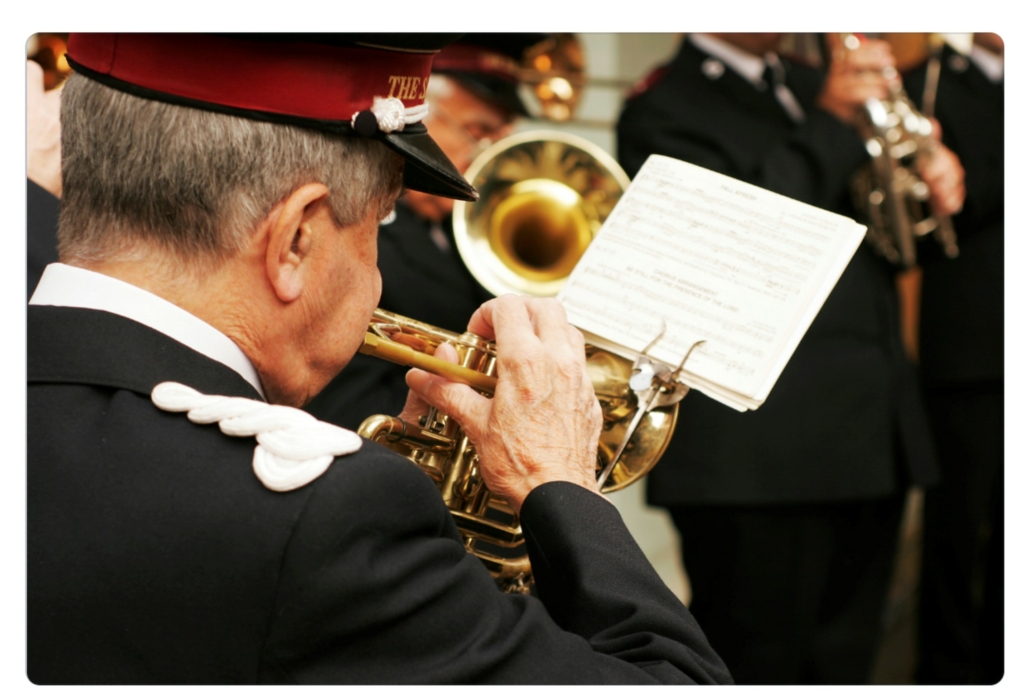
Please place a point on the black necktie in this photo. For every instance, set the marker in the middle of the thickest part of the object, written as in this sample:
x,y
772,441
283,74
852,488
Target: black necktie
x,y
773,75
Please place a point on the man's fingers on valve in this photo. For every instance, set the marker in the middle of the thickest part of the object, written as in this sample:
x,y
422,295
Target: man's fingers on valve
x,y
559,348
549,319
467,407
512,321
415,405
508,311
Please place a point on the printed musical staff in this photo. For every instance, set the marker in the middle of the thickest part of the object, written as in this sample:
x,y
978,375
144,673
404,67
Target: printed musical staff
x,y
744,269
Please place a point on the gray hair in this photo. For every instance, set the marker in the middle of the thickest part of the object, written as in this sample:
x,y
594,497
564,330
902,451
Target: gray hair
x,y
139,173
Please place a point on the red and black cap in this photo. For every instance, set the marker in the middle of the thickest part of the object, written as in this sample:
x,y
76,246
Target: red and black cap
x,y
363,85
489,66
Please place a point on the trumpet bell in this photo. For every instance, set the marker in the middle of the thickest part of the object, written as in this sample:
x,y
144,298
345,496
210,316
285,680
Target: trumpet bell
x,y
543,197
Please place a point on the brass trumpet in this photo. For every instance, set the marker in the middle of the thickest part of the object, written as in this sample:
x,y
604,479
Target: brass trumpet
x,y
489,527
544,196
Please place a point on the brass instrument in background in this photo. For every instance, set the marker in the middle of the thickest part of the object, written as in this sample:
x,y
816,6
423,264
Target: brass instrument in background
x,y
543,198
889,192
554,72
50,51
437,445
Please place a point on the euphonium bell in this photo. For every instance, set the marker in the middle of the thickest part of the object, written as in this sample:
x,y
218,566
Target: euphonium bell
x,y
543,197
489,527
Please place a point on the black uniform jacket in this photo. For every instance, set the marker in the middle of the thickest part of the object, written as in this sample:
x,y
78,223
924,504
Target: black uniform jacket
x,y
844,420
155,555
962,299
43,213
420,281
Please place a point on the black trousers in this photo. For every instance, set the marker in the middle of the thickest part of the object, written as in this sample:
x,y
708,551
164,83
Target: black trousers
x,y
960,630
792,594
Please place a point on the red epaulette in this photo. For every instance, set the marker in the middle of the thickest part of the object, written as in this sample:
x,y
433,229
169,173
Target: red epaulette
x,y
649,80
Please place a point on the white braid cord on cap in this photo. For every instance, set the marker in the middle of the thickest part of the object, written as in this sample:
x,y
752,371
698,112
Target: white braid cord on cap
x,y
393,116
293,449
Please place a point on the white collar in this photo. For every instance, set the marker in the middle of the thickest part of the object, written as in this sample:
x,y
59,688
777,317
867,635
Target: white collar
x,y
69,286
750,66
988,62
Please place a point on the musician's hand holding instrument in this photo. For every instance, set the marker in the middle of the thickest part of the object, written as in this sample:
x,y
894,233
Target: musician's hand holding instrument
x,y
913,183
519,399
858,71
942,171
543,421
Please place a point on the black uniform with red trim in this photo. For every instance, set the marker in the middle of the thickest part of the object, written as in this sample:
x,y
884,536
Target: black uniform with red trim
x,y
788,514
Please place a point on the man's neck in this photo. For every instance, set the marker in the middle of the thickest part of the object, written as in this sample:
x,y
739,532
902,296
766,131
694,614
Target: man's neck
x,y
178,286
216,294
64,285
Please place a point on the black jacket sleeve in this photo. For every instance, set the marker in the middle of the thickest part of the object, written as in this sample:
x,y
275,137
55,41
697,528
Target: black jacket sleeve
x,y
43,213
376,587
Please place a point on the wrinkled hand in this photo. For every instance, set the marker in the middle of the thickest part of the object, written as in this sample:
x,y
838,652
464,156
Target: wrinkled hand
x,y
942,171
544,421
43,131
856,75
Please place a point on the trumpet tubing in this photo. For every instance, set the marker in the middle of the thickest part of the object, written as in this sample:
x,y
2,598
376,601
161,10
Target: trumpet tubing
x,y
437,445
543,197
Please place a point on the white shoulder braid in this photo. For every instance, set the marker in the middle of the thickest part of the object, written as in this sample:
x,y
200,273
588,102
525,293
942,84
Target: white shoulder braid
x,y
293,448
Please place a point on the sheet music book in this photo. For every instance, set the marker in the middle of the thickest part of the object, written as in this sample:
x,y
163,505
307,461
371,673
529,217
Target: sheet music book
x,y
740,268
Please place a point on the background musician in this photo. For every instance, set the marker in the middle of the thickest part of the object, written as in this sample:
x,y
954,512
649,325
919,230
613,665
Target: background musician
x,y
960,637
474,101
218,248
789,515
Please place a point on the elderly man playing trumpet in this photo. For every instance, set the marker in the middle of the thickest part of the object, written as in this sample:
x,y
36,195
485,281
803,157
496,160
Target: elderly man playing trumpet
x,y
187,524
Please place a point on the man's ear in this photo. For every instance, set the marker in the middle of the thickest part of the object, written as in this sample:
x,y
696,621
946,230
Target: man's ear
x,y
293,226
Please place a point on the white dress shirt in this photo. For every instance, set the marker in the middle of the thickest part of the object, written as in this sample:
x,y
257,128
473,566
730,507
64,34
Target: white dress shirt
x,y
69,286
988,62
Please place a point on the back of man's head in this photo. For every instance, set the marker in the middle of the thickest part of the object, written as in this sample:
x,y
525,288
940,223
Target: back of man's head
x,y
185,142
142,174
